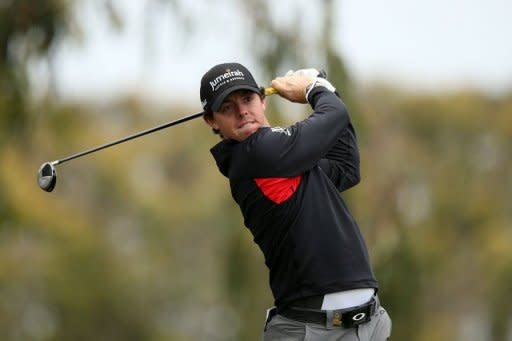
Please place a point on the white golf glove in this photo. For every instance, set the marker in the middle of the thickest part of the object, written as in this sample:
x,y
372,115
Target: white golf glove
x,y
319,80
304,72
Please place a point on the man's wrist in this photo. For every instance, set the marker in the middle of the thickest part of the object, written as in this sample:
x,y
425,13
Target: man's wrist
x,y
309,88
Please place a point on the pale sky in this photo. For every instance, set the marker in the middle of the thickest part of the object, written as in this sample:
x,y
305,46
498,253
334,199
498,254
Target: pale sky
x,y
435,44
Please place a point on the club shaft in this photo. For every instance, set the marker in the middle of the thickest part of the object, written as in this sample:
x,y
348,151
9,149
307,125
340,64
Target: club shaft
x,y
268,91
128,138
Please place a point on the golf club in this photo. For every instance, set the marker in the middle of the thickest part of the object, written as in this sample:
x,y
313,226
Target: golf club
x,y
47,175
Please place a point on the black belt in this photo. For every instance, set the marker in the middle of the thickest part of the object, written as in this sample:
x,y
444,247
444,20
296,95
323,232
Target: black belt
x,y
347,318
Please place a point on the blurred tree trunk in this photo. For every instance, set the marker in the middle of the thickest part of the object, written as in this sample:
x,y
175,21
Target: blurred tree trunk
x,y
28,30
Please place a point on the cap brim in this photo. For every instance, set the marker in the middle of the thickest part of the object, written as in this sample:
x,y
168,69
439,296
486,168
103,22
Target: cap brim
x,y
216,105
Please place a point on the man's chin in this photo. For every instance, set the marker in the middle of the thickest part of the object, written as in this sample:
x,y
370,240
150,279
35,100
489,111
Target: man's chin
x,y
248,130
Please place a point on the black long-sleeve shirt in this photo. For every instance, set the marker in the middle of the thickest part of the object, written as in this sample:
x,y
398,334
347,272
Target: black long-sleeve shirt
x,y
287,183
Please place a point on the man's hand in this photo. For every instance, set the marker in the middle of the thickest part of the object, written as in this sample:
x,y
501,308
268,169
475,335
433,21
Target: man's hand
x,y
293,87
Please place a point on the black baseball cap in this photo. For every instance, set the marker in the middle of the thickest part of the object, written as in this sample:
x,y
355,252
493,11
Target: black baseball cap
x,y
221,80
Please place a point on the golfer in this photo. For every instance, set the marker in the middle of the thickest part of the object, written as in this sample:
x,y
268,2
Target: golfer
x,y
287,183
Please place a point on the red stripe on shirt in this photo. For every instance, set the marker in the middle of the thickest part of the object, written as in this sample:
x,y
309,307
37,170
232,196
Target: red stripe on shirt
x,y
278,189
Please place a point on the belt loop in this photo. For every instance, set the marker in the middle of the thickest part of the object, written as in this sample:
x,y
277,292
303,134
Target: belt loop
x,y
271,312
328,319
376,304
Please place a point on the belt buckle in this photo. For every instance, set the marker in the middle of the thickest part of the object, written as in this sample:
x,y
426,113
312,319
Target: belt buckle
x,y
357,316
350,317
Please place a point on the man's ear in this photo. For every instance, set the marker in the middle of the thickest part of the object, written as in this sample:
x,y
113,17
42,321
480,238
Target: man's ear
x,y
263,101
210,121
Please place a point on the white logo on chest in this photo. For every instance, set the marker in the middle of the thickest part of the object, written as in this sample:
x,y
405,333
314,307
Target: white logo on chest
x,y
285,131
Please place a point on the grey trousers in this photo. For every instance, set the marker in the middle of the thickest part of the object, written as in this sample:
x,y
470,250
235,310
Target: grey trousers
x,y
284,329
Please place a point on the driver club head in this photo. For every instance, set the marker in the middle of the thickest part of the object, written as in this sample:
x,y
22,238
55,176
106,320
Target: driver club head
x,y
47,176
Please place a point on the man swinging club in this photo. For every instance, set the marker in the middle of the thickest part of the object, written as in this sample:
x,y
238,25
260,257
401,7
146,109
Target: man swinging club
x,y
287,183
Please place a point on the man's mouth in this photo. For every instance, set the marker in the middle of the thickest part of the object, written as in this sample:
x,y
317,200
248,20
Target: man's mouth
x,y
244,124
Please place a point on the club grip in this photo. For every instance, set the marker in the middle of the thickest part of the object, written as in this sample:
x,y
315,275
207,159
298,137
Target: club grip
x,y
270,91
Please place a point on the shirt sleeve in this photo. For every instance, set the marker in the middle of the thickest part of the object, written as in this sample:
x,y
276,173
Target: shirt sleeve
x,y
279,152
341,164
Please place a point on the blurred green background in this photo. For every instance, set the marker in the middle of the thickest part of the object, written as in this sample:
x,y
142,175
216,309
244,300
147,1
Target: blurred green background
x,y
143,241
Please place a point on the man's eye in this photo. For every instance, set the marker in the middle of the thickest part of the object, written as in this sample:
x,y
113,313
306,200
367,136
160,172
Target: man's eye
x,y
226,108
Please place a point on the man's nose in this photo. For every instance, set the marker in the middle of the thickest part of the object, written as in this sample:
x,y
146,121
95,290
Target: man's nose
x,y
242,108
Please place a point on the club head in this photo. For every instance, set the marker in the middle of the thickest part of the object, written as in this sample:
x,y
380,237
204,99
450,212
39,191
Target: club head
x,y
47,176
